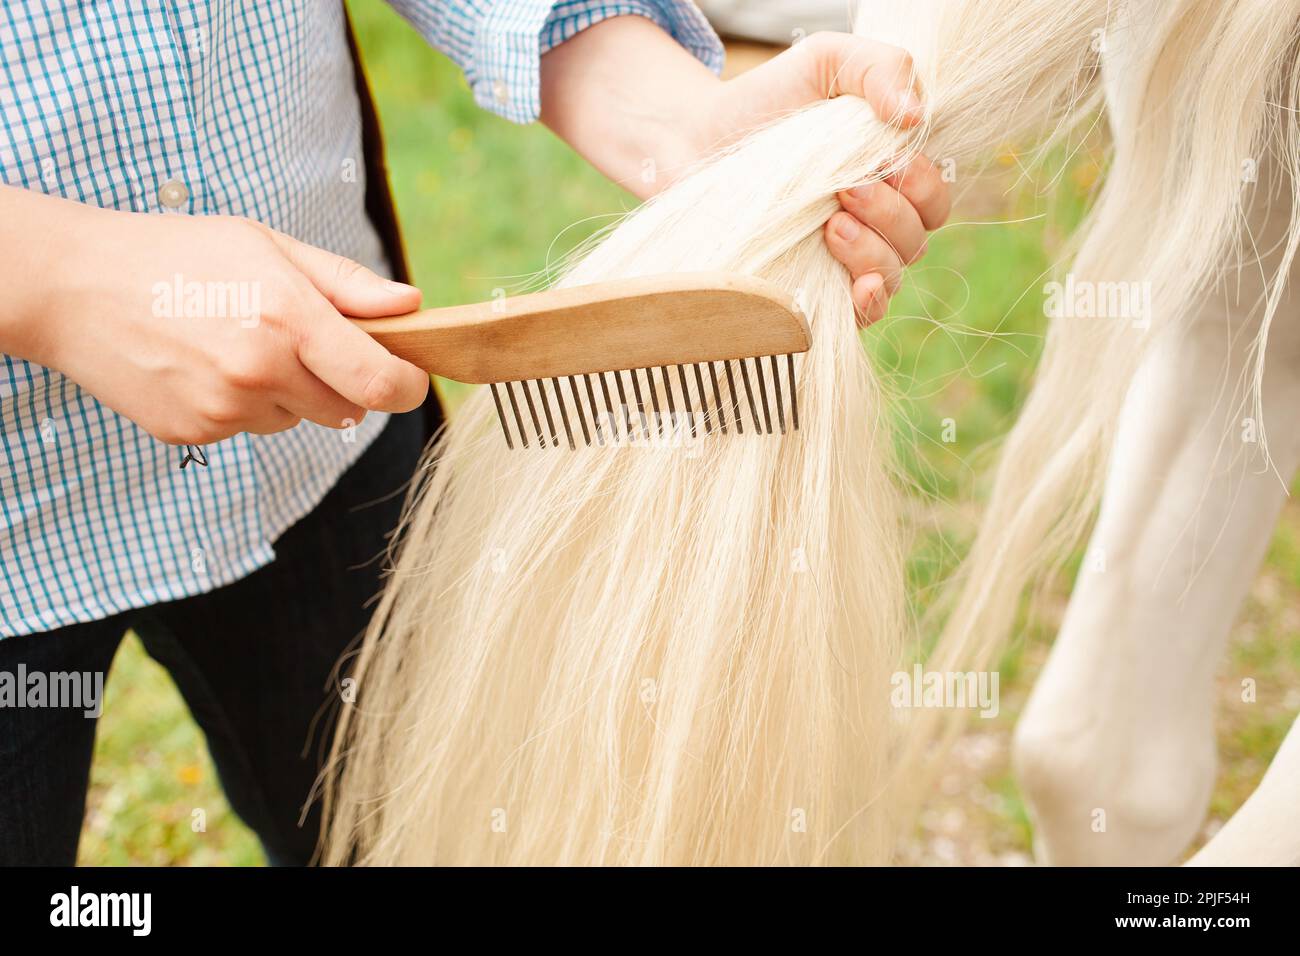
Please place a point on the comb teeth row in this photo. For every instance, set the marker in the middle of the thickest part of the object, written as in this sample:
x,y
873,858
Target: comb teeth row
x,y
650,406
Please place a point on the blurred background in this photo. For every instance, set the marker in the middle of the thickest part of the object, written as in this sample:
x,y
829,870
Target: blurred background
x,y
485,204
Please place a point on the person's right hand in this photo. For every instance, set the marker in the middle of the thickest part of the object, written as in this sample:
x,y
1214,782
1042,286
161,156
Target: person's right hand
x,y
102,314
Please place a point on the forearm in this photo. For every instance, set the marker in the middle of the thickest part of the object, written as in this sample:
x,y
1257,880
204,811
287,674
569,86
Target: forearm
x,y
32,258
628,97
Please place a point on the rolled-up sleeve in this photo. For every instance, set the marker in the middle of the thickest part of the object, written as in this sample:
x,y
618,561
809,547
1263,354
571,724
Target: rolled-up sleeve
x,y
498,44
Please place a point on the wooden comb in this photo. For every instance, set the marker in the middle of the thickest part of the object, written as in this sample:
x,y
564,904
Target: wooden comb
x,y
623,334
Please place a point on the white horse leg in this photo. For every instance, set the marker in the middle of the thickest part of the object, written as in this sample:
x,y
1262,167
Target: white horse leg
x,y
1115,749
1265,831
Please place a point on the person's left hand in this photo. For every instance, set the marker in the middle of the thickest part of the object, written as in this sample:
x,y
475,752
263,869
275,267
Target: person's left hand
x,y
623,92
880,228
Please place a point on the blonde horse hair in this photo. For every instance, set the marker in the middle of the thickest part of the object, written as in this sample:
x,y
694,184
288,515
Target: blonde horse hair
x,y
650,655
1210,95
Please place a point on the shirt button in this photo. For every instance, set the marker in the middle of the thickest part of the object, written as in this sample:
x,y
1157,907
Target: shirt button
x,y
501,92
173,194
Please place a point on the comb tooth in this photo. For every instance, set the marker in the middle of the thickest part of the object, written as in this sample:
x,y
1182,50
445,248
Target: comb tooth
x,y
595,412
609,405
749,393
704,399
737,414
776,387
654,402
762,391
794,393
496,399
577,406
532,412
519,420
672,408
688,408
622,404
735,400
717,398
559,400
640,406
546,407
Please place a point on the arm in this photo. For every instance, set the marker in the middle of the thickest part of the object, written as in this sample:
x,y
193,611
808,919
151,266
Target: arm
x,y
630,85
616,94
623,91
92,294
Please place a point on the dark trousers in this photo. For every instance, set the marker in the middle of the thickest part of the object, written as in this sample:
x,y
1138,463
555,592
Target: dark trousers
x,y
255,662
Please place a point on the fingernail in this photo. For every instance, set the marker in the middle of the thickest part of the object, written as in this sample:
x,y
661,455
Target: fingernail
x,y
847,228
863,288
861,192
398,288
909,104
878,293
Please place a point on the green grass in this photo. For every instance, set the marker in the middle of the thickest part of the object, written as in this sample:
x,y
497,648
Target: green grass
x,y
485,204
151,774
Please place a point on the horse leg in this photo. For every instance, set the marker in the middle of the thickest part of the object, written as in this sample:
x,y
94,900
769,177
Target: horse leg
x,y
1115,748
1265,831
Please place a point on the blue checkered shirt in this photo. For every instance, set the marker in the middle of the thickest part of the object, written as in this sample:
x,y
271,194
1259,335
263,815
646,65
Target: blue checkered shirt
x,y
206,107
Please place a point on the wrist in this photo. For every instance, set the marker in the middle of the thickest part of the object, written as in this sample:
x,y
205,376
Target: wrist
x,y
689,132
42,251
631,100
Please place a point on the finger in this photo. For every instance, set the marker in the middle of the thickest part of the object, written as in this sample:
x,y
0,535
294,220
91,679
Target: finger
x,y
309,398
922,185
356,366
884,209
274,420
882,74
870,298
348,286
863,250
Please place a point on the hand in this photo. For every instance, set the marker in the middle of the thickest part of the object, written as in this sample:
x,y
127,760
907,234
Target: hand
x,y
255,341
623,91
881,228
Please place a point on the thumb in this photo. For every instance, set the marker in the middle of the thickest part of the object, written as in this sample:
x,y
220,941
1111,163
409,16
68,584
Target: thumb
x,y
357,367
337,352
349,286
883,75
